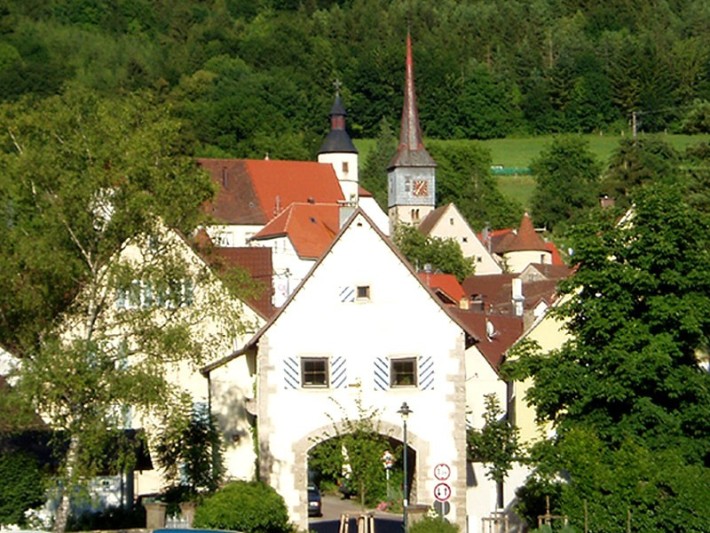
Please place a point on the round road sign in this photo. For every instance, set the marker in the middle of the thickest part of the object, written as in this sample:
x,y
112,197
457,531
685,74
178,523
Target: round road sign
x,y
442,472
442,492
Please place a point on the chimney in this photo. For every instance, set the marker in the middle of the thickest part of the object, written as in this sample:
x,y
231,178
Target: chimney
x,y
464,303
518,298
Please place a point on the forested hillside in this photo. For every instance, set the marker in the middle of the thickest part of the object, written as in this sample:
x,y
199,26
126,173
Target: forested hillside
x,y
257,76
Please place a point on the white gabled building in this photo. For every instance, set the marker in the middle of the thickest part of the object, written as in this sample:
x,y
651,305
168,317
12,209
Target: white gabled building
x,y
447,222
360,328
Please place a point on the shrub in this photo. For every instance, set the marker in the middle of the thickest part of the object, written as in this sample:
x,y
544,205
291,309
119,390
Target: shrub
x,y
21,486
430,524
251,507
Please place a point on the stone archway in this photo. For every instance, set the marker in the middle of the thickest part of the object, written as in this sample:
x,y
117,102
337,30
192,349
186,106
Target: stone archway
x,y
417,448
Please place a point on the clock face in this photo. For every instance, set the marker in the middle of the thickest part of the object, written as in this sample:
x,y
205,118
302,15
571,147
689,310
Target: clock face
x,y
420,188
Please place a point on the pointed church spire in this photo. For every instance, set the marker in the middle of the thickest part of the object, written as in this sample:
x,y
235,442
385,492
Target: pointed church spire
x,y
411,151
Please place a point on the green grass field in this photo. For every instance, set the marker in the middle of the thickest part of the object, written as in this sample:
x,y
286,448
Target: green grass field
x,y
519,152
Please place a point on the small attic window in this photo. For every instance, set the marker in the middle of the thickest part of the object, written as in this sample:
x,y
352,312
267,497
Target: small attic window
x,y
363,292
451,221
346,167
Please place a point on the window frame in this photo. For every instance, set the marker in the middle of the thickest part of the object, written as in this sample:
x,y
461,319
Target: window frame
x,y
396,375
313,384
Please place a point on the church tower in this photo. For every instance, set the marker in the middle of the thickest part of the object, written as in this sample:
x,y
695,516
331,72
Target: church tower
x,y
411,173
339,150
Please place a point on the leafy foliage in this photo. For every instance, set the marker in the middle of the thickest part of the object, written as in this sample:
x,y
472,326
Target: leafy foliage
x,y
484,70
189,450
626,391
21,486
430,524
463,177
352,454
637,163
566,175
442,255
99,288
251,507
496,443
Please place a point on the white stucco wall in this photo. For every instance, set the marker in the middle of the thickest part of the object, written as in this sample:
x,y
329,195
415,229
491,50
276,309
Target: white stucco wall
x,y
289,269
518,261
481,380
453,226
373,210
346,169
231,236
399,319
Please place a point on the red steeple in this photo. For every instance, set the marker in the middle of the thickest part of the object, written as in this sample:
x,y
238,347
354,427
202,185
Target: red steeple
x,y
411,151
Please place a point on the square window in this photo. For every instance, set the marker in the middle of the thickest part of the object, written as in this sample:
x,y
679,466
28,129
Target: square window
x,y
363,292
314,372
403,372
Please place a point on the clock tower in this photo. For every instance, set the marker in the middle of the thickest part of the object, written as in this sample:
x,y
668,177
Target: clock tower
x,y
411,173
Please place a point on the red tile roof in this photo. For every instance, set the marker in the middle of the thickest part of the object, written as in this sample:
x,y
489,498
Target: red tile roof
x,y
310,228
256,261
526,239
495,333
443,284
253,191
495,292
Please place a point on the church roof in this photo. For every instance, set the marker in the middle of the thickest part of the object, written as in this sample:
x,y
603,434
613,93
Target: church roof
x,y
254,191
411,151
311,228
337,140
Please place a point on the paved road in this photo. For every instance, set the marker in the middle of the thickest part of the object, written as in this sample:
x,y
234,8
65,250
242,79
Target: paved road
x,y
334,507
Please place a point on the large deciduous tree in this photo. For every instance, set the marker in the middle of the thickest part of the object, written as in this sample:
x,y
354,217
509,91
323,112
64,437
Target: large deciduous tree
x,y
628,399
439,254
100,292
566,175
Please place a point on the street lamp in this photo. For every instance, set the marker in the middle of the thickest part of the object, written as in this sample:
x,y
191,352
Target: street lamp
x,y
404,412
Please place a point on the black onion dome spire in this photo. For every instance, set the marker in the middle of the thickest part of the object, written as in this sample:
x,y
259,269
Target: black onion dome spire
x,y
337,140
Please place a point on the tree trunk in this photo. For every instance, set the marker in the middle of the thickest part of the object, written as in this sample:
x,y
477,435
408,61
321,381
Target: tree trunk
x,y
61,516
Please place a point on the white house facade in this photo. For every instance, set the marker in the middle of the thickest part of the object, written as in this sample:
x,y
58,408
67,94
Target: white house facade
x,y
361,329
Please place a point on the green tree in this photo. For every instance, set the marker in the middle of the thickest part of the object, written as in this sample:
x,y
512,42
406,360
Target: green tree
x,y
374,173
626,391
189,451
98,292
496,443
566,175
352,453
444,255
636,163
463,177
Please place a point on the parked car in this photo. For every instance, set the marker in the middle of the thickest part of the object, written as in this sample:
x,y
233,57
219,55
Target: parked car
x,y
315,503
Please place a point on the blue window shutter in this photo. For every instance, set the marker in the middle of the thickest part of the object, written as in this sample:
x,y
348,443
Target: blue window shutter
x,y
426,373
382,373
347,294
292,373
338,373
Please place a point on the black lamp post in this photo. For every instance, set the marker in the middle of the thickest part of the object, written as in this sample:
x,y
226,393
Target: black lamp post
x,y
404,412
